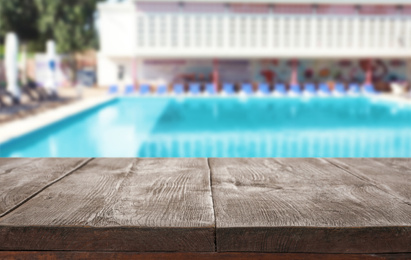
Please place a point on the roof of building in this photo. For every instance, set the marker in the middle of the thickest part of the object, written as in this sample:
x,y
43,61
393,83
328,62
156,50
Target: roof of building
x,y
388,2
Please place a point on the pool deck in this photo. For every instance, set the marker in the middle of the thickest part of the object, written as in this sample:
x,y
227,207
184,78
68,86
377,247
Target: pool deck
x,y
186,208
9,131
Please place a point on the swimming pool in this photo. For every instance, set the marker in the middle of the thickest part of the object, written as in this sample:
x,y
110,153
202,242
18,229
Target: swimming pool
x,y
226,127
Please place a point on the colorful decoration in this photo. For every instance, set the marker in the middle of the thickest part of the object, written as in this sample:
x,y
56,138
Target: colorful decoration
x,y
324,73
273,70
51,82
309,73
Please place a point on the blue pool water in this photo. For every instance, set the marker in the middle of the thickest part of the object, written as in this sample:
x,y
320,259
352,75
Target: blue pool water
x,y
226,127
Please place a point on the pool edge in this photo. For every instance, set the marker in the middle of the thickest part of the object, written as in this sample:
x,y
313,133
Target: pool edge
x,y
17,129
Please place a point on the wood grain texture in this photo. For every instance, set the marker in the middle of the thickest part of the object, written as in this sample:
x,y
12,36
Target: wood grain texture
x,y
304,206
21,178
44,255
119,205
393,175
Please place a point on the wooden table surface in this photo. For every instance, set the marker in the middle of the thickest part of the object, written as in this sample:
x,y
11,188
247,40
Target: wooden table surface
x,y
226,207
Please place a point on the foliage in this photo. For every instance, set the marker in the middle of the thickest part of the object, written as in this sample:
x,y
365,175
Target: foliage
x,y
71,23
19,16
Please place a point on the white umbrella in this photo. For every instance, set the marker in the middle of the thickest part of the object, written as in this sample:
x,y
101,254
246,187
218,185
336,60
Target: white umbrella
x,y
51,82
11,64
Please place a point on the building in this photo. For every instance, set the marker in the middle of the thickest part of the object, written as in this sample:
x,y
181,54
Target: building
x,y
162,42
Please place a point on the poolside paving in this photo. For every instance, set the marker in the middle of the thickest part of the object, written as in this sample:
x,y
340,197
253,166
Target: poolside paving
x,y
24,126
221,207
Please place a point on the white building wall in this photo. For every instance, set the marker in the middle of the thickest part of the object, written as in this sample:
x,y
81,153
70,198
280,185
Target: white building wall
x,y
108,70
174,31
118,29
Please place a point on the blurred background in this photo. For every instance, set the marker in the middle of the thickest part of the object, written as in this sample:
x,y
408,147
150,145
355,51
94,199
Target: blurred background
x,y
56,53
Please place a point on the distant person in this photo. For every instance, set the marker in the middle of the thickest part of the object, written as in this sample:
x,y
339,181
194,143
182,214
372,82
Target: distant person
x,y
120,77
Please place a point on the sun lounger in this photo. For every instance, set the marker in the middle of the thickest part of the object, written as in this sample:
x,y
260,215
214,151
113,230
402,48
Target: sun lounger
x,y
339,89
280,89
369,89
309,88
113,89
129,89
264,88
178,89
29,92
354,88
324,89
40,92
3,93
161,89
194,88
210,89
247,88
295,89
228,88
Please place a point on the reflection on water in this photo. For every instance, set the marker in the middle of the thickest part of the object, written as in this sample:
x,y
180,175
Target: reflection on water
x,y
226,127
288,127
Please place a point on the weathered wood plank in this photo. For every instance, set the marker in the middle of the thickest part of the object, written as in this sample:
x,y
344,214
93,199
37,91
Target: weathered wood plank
x,y
119,205
390,174
304,205
21,178
43,255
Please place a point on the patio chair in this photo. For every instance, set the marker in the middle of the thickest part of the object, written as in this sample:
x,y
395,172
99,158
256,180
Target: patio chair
x,y
161,89
354,88
280,89
210,89
309,88
144,89
178,89
194,88
247,88
339,89
295,89
264,88
228,88
324,89
113,89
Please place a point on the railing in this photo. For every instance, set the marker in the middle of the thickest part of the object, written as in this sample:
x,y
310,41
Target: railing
x,y
185,34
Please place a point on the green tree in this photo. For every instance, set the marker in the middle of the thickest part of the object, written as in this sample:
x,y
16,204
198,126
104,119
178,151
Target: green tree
x,y
71,23
19,16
